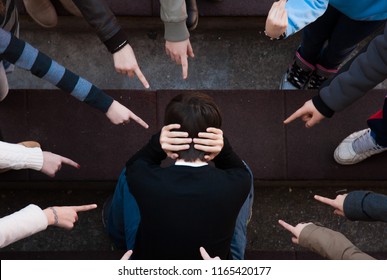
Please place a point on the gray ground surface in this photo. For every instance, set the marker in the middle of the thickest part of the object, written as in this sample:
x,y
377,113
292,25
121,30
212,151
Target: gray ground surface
x,y
231,53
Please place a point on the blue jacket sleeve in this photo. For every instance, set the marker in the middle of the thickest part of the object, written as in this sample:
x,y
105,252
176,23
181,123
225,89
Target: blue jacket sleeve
x,y
365,206
303,12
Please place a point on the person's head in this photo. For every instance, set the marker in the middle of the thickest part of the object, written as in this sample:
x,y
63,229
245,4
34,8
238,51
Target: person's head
x,y
195,112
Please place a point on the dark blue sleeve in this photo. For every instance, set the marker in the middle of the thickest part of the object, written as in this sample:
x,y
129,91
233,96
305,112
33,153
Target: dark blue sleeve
x,y
365,206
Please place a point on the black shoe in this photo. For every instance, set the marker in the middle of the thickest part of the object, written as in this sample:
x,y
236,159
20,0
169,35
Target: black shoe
x,y
320,76
193,14
298,74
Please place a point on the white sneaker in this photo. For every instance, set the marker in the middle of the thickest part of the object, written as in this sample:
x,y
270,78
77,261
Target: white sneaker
x,y
357,147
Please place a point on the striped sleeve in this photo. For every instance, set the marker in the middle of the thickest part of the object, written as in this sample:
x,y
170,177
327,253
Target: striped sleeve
x,y
27,57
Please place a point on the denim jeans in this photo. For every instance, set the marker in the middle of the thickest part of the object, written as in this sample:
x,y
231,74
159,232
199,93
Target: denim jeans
x,y
124,218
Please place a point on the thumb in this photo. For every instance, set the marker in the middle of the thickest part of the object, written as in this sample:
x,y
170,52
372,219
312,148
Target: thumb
x,y
313,121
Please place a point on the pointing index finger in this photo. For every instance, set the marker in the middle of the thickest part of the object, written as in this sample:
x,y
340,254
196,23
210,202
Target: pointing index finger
x,y
184,65
325,200
83,208
70,162
141,77
294,116
138,120
287,226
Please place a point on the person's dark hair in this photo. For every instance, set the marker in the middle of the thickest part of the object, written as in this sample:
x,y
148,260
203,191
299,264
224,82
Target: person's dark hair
x,y
195,112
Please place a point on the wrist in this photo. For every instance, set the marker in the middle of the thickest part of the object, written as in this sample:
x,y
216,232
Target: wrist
x,y
117,42
52,216
322,107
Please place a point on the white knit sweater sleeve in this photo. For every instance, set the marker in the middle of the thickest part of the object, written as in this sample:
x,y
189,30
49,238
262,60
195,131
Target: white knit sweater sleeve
x,y
22,224
14,156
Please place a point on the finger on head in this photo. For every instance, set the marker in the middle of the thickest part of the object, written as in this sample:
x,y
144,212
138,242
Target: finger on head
x,y
174,148
205,148
214,130
141,77
208,135
170,127
178,134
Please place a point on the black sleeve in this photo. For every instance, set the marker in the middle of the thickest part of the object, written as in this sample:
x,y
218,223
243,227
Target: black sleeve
x,y
227,158
99,16
151,152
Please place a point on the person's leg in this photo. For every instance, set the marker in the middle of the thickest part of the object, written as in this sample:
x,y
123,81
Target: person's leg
x,y
192,14
3,82
239,239
345,37
365,143
124,215
314,37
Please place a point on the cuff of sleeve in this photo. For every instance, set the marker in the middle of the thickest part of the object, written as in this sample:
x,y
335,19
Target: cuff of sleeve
x,y
117,42
99,99
176,31
353,206
34,158
303,239
39,217
322,107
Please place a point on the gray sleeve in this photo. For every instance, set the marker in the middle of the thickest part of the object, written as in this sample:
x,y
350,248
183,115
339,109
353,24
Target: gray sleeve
x,y
366,71
174,14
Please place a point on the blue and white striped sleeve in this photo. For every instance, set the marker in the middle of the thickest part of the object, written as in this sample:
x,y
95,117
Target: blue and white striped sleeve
x,y
27,57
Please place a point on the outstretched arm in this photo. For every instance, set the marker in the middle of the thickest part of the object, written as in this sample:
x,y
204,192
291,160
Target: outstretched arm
x,y
177,44
32,219
16,156
29,58
99,16
359,205
325,242
352,82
